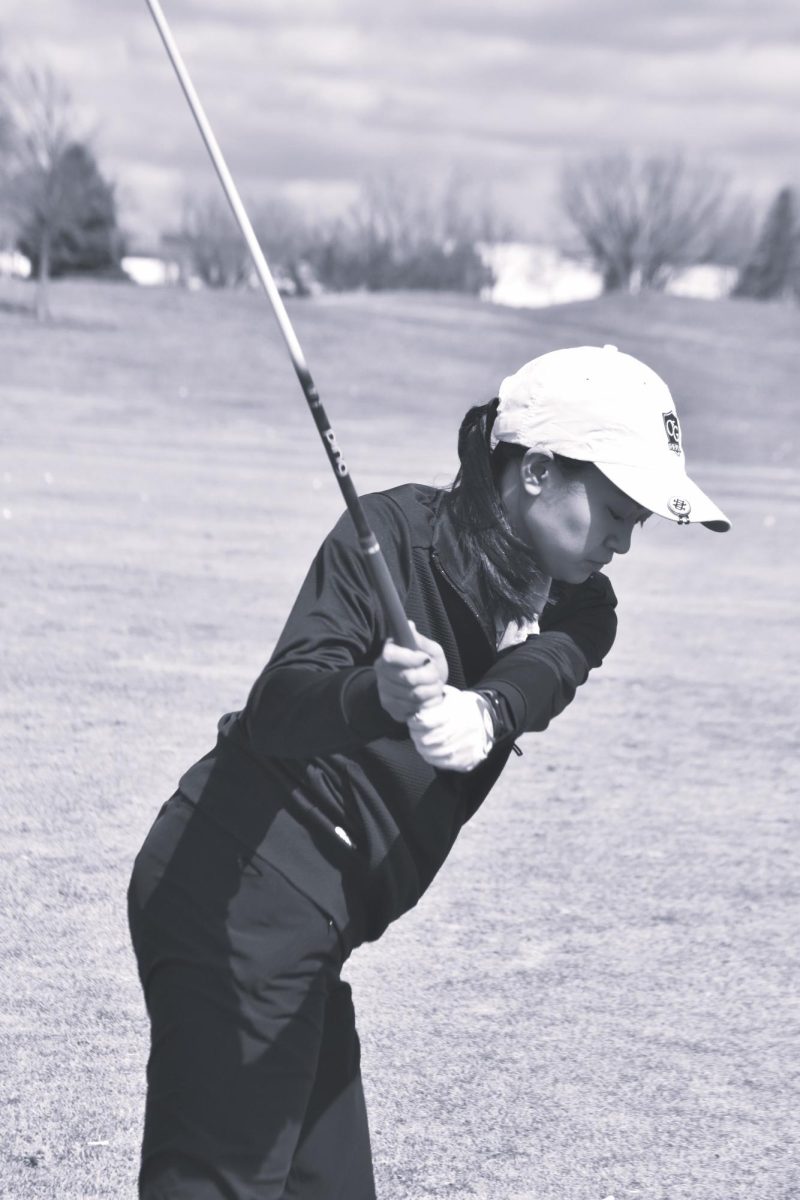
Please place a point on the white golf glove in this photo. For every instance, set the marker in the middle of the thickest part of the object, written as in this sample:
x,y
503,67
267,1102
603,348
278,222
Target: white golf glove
x,y
456,733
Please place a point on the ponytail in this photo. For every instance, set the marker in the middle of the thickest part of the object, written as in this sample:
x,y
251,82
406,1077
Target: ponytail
x,y
508,574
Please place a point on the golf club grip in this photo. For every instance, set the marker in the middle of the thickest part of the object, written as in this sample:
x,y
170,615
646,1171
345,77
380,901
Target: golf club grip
x,y
383,584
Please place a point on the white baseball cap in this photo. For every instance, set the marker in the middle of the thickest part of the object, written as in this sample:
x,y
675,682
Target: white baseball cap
x,y
605,407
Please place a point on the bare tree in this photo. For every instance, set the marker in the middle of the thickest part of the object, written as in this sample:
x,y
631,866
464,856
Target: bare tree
x,y
6,223
396,235
39,184
5,125
214,247
411,217
400,234
287,240
640,220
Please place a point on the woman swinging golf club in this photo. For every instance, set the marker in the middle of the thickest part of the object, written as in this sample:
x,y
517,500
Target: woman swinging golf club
x,y
332,799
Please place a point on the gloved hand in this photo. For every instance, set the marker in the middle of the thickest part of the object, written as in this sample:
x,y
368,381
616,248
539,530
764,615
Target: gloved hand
x,y
456,733
409,679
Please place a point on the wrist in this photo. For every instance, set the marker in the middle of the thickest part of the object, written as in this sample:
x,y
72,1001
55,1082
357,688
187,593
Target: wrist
x,y
487,714
501,720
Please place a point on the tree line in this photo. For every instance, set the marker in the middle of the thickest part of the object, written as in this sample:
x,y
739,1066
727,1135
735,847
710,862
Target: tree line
x,y
394,236
638,220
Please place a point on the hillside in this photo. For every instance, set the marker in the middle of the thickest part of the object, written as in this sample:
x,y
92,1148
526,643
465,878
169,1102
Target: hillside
x,y
732,365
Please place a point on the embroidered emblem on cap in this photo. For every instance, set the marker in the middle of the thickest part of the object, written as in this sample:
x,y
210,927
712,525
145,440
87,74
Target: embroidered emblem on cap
x,y
680,507
673,431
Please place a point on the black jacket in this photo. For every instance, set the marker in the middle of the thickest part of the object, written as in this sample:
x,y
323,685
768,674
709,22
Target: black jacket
x,y
316,778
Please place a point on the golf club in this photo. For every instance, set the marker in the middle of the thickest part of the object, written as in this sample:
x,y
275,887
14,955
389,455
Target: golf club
x,y
382,581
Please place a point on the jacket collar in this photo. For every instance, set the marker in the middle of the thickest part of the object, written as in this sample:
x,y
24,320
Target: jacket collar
x,y
461,570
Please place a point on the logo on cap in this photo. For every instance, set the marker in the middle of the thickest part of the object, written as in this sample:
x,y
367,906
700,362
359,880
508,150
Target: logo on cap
x,y
679,507
673,431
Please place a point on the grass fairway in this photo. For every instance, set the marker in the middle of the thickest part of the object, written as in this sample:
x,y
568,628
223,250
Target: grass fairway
x,y
596,996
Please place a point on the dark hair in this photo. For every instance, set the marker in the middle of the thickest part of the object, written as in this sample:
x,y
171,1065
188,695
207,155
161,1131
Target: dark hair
x,y
508,574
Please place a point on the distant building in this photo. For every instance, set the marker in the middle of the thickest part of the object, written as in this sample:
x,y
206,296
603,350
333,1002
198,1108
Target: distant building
x,y
13,264
172,265
150,270
536,276
707,281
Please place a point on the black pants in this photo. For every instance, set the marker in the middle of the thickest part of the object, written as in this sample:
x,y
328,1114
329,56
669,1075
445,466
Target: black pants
x,y
253,1082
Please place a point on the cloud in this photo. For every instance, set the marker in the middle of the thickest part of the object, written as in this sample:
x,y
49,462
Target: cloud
x,y
308,99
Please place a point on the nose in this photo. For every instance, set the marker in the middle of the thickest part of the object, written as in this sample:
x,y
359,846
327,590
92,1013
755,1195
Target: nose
x,y
620,539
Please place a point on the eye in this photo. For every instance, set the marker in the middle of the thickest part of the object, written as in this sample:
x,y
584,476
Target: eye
x,y
617,516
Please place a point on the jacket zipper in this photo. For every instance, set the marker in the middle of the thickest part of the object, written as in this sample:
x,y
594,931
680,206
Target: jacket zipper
x,y
474,612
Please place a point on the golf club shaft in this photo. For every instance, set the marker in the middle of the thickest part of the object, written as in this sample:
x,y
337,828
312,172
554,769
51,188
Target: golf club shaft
x,y
382,581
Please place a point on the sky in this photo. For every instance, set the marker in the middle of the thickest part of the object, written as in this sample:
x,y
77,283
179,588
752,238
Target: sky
x,y
309,98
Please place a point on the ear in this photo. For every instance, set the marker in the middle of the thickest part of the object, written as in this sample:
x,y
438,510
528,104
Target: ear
x,y
534,470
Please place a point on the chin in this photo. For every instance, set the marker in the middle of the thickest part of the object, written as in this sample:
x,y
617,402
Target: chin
x,y
577,574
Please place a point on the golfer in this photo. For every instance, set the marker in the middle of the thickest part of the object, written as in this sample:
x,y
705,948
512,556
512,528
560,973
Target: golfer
x,y
331,800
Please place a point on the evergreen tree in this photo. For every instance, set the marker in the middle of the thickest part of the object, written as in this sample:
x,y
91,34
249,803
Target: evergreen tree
x,y
83,233
774,267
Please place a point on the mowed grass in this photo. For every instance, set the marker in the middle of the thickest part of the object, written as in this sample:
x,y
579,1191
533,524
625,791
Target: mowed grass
x,y
596,996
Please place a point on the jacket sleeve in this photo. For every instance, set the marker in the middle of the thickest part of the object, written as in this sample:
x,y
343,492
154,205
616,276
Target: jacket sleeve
x,y
539,678
318,693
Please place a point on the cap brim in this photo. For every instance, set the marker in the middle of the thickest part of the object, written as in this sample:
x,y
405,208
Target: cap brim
x,y
667,493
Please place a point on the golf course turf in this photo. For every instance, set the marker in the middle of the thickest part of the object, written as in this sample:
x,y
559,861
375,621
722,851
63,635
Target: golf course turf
x,y
596,996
